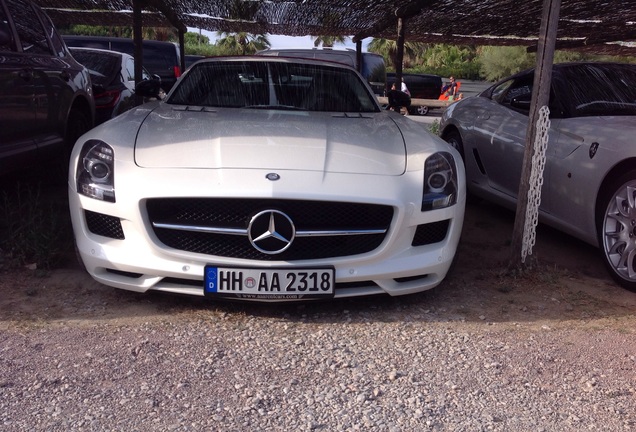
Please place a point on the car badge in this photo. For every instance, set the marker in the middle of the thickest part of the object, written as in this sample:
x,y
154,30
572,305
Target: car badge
x,y
593,149
272,176
271,232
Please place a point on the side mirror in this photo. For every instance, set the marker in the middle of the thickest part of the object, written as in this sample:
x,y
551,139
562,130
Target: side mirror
x,y
149,89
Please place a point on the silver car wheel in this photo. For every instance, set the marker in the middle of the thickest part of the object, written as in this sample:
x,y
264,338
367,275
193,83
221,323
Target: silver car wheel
x,y
618,235
455,140
422,110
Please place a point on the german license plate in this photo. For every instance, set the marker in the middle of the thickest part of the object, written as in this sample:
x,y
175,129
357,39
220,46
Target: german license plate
x,y
283,283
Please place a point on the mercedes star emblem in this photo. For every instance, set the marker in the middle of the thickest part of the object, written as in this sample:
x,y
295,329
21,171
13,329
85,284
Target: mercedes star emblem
x,y
271,231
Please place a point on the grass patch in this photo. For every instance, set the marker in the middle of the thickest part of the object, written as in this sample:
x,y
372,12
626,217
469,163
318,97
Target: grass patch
x,y
434,127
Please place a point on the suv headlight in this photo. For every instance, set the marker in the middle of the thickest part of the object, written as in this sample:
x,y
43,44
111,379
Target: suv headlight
x,y
95,172
440,182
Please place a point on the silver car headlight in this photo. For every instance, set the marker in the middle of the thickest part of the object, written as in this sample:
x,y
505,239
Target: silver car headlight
x,y
95,172
440,182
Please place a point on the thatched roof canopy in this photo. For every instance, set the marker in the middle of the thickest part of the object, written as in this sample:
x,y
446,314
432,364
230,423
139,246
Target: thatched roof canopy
x,y
600,26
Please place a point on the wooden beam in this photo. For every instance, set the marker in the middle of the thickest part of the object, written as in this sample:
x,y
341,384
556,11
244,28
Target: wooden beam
x,y
407,11
412,9
168,12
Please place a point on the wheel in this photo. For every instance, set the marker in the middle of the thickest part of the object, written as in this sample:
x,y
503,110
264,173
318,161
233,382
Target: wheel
x,y
78,123
455,140
617,229
422,110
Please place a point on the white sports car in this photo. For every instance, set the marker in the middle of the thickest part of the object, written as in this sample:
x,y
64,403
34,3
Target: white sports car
x,y
266,179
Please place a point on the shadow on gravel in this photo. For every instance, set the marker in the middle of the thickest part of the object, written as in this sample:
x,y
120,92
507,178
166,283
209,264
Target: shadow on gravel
x,y
569,284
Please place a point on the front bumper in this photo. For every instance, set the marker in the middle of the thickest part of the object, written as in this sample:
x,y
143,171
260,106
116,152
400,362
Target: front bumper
x,y
141,262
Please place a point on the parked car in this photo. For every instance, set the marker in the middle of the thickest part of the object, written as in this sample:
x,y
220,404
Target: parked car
x,y
113,77
264,178
421,86
159,58
46,100
589,182
372,68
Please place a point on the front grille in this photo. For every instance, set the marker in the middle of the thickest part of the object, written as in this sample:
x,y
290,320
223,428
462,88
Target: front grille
x,y
233,214
104,225
430,233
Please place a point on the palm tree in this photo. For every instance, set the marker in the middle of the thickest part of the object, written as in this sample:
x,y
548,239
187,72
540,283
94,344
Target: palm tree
x,y
387,48
242,43
328,41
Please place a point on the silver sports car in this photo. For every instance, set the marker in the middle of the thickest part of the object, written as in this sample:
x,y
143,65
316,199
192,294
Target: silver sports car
x,y
265,178
589,185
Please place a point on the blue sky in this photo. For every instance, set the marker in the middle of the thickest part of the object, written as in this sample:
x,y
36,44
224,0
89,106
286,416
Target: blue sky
x,y
280,41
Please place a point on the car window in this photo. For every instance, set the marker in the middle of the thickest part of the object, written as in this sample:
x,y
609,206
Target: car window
x,y
274,85
56,39
129,70
500,90
102,66
519,91
600,89
30,32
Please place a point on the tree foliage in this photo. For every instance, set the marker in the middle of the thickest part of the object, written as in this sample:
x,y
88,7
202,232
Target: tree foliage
x,y
387,48
241,43
502,61
328,41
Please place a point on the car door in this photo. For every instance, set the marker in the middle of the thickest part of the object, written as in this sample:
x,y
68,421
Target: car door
x,y
501,135
17,99
45,72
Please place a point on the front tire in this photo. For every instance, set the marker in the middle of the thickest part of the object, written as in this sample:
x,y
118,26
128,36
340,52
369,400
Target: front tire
x,y
78,124
617,229
455,140
422,110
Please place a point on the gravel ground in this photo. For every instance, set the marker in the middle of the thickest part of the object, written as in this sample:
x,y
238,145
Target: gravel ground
x,y
550,351
412,370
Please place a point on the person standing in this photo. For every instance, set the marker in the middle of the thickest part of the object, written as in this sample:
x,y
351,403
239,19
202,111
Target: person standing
x,y
404,88
451,91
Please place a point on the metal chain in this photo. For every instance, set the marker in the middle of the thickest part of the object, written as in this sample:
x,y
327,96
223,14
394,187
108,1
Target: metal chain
x,y
536,181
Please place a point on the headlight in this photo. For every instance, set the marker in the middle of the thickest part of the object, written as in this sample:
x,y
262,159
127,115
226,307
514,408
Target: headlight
x,y
440,182
95,172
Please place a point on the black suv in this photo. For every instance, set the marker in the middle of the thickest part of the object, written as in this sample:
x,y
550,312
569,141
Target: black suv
x,y
46,100
421,86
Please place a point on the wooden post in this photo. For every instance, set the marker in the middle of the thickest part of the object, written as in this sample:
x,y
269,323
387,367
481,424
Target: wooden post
x,y
540,97
138,43
401,28
182,33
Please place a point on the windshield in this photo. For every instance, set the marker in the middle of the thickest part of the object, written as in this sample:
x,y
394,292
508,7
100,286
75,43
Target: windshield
x,y
266,84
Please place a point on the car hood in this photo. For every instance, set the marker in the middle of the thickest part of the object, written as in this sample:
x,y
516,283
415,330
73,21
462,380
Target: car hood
x,y
190,137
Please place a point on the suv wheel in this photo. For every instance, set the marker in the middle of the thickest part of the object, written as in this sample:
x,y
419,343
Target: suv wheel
x,y
422,110
77,125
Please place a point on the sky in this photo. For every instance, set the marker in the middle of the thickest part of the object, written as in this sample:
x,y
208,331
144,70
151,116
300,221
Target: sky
x,y
281,42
